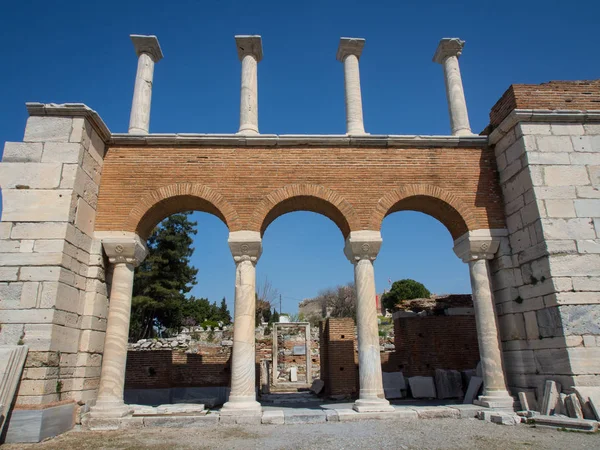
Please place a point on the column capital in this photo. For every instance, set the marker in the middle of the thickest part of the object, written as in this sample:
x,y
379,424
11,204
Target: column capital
x,y
478,244
349,46
249,45
363,244
147,44
245,245
123,247
448,47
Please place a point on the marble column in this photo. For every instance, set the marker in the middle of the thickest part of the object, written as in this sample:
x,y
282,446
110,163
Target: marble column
x,y
447,53
476,248
349,52
361,249
148,50
124,253
246,249
250,53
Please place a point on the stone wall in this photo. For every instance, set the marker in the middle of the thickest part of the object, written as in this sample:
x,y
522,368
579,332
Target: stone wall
x,y
546,275
53,293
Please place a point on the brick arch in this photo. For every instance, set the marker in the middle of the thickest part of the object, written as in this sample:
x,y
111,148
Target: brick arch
x,y
166,200
305,197
432,200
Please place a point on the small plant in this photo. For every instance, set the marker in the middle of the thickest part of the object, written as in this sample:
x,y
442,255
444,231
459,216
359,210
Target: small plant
x,y
211,335
59,386
534,280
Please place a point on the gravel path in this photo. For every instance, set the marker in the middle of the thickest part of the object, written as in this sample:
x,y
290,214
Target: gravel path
x,y
370,434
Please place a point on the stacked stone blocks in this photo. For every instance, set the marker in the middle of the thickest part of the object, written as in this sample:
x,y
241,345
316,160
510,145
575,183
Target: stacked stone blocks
x,y
548,289
53,294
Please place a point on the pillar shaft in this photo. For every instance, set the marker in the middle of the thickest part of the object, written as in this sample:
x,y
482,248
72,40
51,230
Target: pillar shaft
x,y
112,377
361,249
246,249
249,96
250,54
457,104
476,248
447,53
139,121
149,52
354,112
487,329
348,53
124,253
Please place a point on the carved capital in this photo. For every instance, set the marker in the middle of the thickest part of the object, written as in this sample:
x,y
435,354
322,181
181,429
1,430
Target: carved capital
x,y
125,249
362,245
147,44
249,45
245,245
478,244
448,47
349,46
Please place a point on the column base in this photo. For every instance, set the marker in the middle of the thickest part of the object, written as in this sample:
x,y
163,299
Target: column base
x,y
503,402
372,405
241,408
248,132
110,409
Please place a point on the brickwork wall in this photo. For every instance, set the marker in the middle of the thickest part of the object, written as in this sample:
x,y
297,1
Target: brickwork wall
x,y
250,187
53,295
424,344
578,95
338,365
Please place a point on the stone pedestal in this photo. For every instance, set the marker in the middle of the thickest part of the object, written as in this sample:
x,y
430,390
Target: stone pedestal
x,y
148,50
250,53
349,52
361,249
125,253
476,248
246,249
447,53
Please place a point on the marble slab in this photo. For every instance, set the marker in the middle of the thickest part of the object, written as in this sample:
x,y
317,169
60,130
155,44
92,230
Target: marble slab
x,y
12,359
422,387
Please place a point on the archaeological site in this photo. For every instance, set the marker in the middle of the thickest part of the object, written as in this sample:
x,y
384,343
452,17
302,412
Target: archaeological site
x,y
521,201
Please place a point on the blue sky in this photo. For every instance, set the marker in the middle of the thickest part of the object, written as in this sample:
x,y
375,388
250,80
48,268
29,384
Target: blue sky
x,y
73,51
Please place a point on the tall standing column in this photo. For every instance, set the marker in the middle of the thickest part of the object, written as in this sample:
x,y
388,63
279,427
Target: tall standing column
x,y
250,53
361,249
246,249
148,50
447,53
349,52
125,254
476,248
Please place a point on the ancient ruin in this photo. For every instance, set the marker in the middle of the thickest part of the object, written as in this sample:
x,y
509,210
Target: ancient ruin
x,y
520,200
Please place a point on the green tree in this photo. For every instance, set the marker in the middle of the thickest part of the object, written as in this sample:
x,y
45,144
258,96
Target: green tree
x,y
224,314
164,278
406,289
275,317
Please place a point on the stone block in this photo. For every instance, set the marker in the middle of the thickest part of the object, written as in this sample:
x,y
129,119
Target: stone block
x,y
317,386
587,208
543,158
393,384
560,208
22,152
51,337
504,418
512,326
62,152
272,417
550,403
585,159
589,246
586,283
595,173
11,334
436,412
531,327
528,400
29,295
8,274
575,265
567,129
50,230
448,384
44,129
30,175
85,218
554,144
60,296
36,205
91,341
573,406
528,128
581,228
588,192
565,176
589,399
422,387
555,192
32,259
565,423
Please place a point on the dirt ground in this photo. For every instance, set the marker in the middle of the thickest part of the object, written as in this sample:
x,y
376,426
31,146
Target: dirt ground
x,y
370,434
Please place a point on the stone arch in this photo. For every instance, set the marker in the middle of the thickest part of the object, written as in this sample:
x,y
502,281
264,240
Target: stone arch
x,y
432,200
305,197
166,200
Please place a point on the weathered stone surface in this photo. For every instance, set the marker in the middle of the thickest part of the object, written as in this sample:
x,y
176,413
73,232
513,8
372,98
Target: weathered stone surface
x,y
448,384
505,419
12,359
317,386
589,399
44,129
580,319
22,152
565,422
273,417
36,205
475,385
30,175
393,384
573,406
62,152
422,387
550,403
